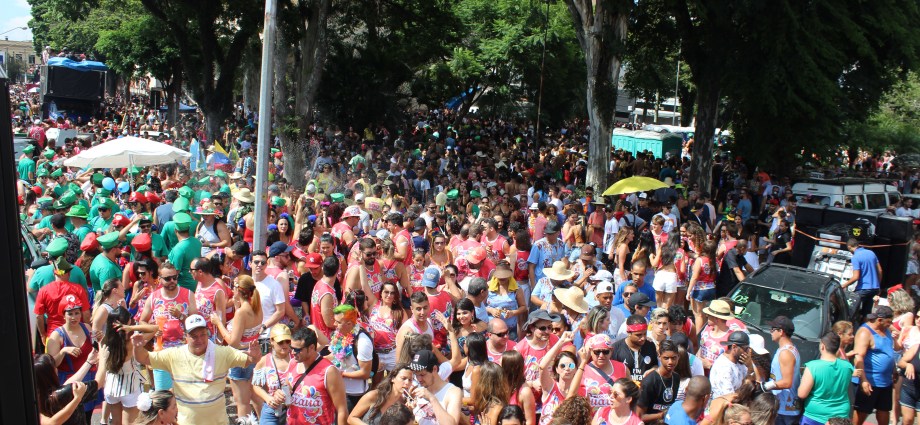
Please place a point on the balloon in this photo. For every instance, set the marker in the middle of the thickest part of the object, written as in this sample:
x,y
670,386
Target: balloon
x,y
124,187
108,183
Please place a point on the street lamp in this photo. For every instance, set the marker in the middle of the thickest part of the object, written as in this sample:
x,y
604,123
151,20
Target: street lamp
x,y
14,29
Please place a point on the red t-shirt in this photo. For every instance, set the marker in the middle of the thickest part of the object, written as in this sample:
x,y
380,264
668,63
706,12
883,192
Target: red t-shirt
x,y
51,301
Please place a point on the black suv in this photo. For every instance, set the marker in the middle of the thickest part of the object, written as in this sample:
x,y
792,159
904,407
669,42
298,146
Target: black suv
x,y
813,300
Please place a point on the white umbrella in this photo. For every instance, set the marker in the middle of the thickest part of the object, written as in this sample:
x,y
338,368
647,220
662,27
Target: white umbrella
x,y
33,90
127,152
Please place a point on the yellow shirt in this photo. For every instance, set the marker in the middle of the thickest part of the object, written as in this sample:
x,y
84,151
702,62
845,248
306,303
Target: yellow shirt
x,y
199,402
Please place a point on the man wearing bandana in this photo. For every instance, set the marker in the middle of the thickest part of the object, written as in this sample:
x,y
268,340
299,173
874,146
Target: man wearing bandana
x,y
636,351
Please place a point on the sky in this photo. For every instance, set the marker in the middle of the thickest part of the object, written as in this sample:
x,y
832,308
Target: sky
x,y
16,14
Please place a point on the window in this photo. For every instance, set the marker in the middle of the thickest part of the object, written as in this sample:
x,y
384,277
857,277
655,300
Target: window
x,y
31,59
875,201
756,306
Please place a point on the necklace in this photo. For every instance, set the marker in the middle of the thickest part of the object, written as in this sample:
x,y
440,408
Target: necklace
x,y
668,394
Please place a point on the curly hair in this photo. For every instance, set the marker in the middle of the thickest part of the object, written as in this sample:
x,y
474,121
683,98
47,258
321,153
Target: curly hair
x,y
573,411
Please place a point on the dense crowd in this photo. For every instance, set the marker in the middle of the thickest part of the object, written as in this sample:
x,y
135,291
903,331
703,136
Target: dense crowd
x,y
451,270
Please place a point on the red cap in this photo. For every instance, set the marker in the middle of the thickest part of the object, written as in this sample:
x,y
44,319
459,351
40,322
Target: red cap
x,y
120,220
138,197
37,190
279,154
152,198
142,242
89,242
476,255
20,200
313,260
774,201
70,302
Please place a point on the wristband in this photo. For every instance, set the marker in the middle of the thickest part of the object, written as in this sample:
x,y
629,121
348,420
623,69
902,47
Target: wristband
x,y
769,386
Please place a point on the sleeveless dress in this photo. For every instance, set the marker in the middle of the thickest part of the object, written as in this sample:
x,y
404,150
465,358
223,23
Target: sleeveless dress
x,y
173,333
551,400
71,365
126,382
207,234
205,299
384,332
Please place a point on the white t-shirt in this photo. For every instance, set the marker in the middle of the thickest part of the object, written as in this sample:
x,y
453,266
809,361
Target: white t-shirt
x,y
270,294
365,354
611,227
726,376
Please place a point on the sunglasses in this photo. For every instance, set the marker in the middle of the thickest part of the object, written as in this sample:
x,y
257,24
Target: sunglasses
x,y
101,209
556,330
170,278
569,366
601,352
296,350
544,328
500,334
259,262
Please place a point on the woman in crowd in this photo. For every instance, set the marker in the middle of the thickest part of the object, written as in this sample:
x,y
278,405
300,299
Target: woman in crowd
x,y
112,296
212,230
733,414
622,408
157,408
557,378
621,254
597,371
511,415
385,319
506,301
573,411
476,357
243,329
440,255
148,275
270,372
596,321
71,401
465,322
285,228
702,287
488,402
666,260
123,380
512,362
391,391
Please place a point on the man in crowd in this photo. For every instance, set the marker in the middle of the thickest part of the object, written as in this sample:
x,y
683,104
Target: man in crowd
x,y
875,356
729,370
437,402
48,301
636,351
867,275
271,295
317,387
199,369
784,371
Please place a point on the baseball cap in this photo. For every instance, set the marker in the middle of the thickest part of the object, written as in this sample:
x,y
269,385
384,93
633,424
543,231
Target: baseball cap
x,y
640,298
534,206
551,227
783,322
602,275
603,288
758,344
431,277
71,302
279,248
420,224
423,360
476,255
313,260
643,195
193,322
738,338
280,332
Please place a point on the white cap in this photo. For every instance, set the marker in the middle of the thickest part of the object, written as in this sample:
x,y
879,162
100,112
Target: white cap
x,y
534,206
359,196
604,287
757,344
602,275
193,322
643,195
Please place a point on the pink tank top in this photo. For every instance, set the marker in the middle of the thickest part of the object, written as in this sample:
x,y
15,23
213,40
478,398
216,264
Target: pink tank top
x,y
319,291
385,329
596,388
205,299
375,277
173,335
339,229
551,400
497,245
408,236
310,401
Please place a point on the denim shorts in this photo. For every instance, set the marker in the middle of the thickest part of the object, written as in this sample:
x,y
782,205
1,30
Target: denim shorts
x,y
909,397
703,295
241,373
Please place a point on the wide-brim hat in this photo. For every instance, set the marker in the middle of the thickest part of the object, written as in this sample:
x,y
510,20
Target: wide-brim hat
x,y
541,314
245,195
559,271
720,309
572,297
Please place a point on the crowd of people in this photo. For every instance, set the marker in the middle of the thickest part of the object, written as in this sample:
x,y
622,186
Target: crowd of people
x,y
454,270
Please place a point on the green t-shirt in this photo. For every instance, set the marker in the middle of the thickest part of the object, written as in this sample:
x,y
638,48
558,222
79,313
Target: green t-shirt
x,y
26,169
829,397
168,232
45,275
102,270
82,231
100,224
182,256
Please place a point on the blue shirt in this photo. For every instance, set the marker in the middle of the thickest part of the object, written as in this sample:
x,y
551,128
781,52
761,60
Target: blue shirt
x,y
744,208
866,262
543,255
677,416
646,289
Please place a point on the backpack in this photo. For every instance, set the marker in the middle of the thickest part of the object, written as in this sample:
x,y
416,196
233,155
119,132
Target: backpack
x,y
375,361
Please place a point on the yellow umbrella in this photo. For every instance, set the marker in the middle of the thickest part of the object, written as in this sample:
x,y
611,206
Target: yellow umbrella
x,y
634,184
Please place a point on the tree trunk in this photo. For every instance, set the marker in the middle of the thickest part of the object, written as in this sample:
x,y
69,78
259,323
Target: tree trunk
x,y
600,26
251,75
687,101
706,113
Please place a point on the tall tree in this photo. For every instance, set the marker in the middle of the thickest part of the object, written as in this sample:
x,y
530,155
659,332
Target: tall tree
x,y
210,36
600,26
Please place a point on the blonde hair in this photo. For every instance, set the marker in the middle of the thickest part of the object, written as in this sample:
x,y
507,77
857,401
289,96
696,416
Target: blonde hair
x,y
732,413
248,292
901,302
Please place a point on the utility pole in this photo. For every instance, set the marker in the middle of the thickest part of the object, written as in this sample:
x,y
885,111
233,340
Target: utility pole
x,y
539,135
676,86
265,125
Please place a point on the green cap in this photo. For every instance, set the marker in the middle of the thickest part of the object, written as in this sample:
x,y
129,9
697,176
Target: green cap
x,y
78,211
62,264
108,203
142,189
280,202
56,247
275,150
453,194
474,194
97,179
337,197
225,188
101,191
58,191
180,205
48,154
108,240
186,192
75,188
44,202
68,198
57,173
202,195
134,170
42,172
28,149
204,181
182,221
58,205
220,174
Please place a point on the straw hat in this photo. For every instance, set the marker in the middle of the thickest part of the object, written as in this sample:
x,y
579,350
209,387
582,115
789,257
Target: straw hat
x,y
245,195
572,297
720,309
559,271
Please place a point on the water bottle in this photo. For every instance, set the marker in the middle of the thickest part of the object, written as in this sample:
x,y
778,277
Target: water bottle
x,y
286,389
